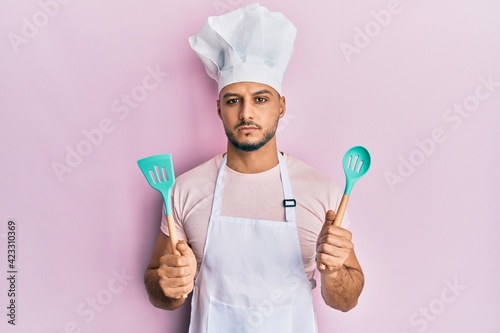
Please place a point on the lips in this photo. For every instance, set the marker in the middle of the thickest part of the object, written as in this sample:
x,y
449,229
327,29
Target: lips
x,y
247,127
246,130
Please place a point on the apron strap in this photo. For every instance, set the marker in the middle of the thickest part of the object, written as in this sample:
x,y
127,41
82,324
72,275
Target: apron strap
x,y
217,201
289,202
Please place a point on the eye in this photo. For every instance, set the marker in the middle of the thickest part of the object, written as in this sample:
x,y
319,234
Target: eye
x,y
261,99
232,101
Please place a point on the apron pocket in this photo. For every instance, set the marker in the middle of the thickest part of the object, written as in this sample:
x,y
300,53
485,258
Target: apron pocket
x,y
225,318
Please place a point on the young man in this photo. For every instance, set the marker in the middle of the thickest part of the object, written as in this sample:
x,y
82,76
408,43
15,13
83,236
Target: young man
x,y
263,221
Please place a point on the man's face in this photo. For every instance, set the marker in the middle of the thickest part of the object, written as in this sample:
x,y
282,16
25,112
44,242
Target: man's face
x,y
250,113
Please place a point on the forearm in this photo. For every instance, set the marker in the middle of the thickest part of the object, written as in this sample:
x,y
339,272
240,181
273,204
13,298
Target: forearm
x,y
156,295
341,289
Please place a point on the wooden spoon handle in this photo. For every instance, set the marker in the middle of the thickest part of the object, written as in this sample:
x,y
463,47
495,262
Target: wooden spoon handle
x,y
339,216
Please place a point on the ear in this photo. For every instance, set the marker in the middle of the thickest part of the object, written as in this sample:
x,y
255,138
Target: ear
x,y
218,109
282,106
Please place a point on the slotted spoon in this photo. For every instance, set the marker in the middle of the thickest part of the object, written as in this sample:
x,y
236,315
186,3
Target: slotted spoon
x,y
356,163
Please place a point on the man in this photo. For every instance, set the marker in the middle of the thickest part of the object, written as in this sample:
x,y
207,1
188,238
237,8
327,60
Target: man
x,y
263,221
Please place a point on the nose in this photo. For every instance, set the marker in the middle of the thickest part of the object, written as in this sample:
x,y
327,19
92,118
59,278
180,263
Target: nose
x,y
246,111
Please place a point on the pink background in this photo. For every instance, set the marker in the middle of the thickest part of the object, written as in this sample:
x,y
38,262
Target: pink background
x,y
428,240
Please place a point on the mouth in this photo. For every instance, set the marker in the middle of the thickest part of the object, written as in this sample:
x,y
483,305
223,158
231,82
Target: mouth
x,y
247,129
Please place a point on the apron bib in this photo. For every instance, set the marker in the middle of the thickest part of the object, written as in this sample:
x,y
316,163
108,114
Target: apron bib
x,y
252,277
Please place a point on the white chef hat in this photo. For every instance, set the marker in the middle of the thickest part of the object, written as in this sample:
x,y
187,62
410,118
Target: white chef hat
x,y
249,44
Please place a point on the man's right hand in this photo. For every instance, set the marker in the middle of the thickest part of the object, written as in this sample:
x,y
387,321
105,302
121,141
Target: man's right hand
x,y
177,273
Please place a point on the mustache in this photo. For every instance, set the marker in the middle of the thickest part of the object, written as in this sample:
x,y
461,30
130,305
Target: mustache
x,y
247,123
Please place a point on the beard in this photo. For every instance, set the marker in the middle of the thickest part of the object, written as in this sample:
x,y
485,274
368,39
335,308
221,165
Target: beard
x,y
247,147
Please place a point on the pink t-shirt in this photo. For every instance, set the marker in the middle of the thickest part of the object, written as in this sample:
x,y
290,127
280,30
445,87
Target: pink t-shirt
x,y
258,196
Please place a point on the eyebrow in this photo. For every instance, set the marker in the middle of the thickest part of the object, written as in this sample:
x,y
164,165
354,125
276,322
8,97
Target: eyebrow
x,y
260,92
227,95
263,91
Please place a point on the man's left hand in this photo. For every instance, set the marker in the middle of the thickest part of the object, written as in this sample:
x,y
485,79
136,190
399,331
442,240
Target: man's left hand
x,y
334,245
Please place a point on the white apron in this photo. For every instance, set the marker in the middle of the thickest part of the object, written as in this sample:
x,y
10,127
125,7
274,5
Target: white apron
x,y
252,277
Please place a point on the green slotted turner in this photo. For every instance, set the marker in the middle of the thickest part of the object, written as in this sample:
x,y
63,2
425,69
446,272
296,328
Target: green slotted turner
x,y
159,172
356,163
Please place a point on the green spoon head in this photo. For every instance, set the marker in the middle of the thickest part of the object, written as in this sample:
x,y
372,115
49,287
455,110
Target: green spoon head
x,y
356,163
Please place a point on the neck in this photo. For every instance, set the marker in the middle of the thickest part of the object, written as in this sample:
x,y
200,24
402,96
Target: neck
x,y
256,161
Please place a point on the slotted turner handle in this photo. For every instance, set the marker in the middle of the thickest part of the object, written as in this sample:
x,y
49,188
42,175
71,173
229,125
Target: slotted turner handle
x,y
173,235
173,239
